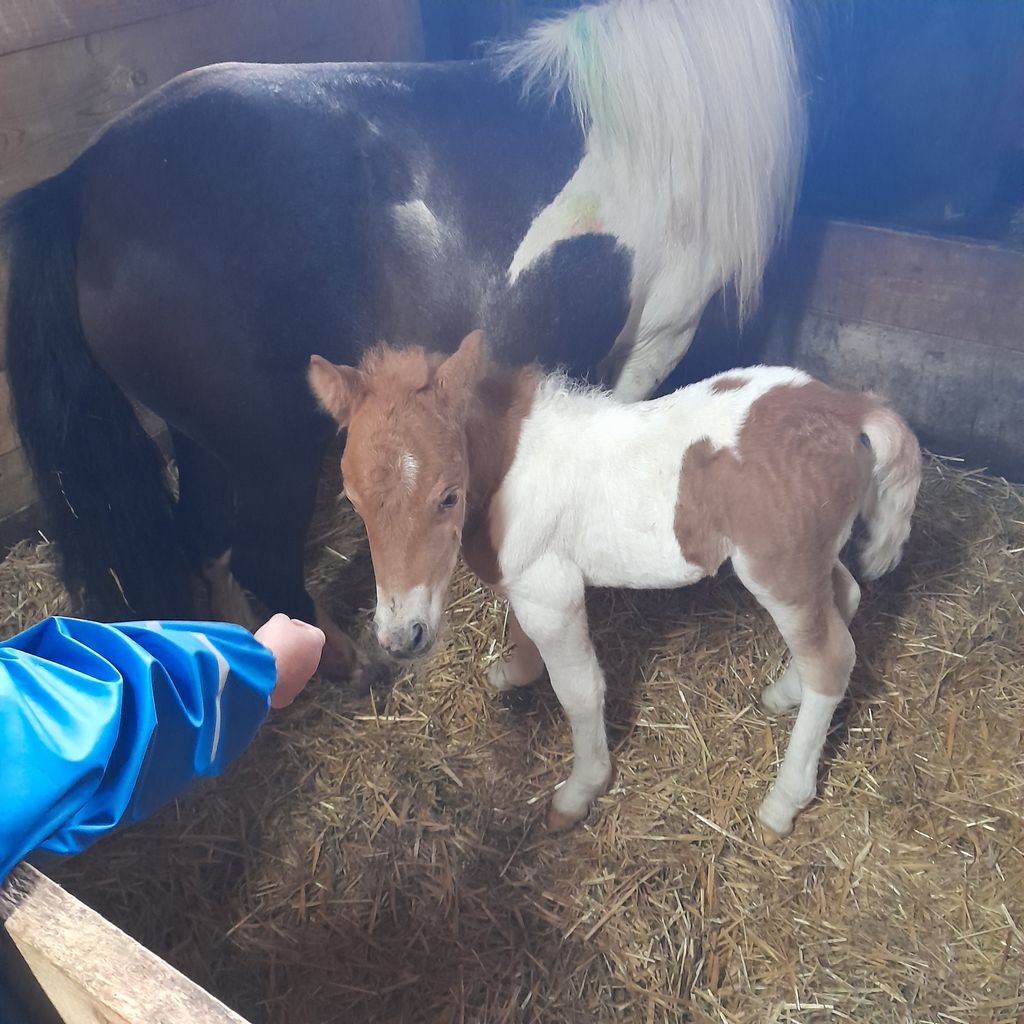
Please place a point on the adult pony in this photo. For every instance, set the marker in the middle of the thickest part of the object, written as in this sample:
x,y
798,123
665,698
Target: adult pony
x,y
580,194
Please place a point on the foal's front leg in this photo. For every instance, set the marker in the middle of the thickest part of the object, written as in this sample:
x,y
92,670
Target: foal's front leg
x,y
548,601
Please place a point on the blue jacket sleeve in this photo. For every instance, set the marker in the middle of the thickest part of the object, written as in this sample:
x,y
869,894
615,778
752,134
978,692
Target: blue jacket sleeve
x,y
101,724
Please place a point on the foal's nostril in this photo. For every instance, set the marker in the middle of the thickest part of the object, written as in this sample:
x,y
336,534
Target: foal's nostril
x,y
417,635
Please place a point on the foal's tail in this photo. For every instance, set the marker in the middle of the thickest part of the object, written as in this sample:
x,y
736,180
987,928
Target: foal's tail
x,y
896,478
100,477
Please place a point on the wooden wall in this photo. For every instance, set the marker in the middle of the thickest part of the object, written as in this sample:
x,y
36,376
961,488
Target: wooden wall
x,y
68,66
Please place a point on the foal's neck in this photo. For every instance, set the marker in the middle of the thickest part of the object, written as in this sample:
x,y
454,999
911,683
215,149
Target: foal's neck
x,y
502,401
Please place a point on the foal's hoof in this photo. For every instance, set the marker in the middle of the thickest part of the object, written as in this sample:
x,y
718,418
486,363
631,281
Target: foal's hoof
x,y
558,822
775,818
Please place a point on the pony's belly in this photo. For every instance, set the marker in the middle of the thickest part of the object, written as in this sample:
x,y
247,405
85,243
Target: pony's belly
x,y
638,561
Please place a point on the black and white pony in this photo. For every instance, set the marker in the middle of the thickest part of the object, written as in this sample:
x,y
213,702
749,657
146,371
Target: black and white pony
x,y
581,194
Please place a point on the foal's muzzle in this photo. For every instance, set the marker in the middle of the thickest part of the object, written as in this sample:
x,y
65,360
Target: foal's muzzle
x,y
406,641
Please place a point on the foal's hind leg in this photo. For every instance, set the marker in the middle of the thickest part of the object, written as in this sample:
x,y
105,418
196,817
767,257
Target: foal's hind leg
x,y
784,694
823,654
523,666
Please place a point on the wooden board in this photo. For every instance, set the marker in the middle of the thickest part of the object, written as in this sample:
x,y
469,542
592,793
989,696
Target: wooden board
x,y
54,98
92,972
936,325
28,23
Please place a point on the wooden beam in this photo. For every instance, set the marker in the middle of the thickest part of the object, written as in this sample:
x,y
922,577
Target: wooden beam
x,y
92,971
28,23
949,287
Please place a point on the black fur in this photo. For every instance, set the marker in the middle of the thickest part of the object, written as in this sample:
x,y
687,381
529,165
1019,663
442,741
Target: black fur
x,y
100,477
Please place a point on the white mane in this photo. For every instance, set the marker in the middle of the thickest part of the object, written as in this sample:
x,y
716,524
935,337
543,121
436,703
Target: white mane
x,y
695,104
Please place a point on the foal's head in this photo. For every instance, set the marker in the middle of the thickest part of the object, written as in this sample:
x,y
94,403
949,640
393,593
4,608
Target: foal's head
x,y
406,472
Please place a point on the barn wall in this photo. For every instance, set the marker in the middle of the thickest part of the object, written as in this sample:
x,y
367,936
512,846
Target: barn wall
x,y
68,66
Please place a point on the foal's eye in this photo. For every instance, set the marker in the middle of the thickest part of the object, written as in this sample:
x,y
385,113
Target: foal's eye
x,y
450,500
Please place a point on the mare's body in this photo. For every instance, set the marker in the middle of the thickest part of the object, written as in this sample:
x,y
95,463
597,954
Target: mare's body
x,y
582,197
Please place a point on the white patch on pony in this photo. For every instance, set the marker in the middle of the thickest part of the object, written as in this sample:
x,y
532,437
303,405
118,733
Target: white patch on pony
x,y
408,469
418,223
396,613
694,122
610,476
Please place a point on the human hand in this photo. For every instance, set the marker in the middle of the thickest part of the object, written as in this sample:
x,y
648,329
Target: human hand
x,y
296,648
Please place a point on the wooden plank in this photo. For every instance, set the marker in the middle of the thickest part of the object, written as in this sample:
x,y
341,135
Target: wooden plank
x,y
28,23
54,98
955,288
92,971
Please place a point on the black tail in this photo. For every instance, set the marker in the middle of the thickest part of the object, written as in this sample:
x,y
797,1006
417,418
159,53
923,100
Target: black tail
x,y
100,477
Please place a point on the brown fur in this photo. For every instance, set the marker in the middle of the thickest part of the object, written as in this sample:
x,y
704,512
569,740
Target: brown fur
x,y
727,384
504,399
461,423
784,497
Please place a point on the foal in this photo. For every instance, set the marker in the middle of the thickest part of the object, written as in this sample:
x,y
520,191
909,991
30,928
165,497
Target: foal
x,y
549,487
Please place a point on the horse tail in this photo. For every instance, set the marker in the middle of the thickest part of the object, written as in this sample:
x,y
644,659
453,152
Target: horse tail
x,y
896,478
696,104
100,477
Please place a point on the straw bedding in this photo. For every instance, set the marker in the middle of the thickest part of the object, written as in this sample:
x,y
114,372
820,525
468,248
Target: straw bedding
x,y
387,861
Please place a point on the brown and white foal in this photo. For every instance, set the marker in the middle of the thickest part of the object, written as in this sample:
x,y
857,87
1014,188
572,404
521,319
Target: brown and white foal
x,y
548,487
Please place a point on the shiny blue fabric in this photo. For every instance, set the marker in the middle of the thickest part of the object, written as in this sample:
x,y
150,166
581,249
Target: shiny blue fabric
x,y
101,724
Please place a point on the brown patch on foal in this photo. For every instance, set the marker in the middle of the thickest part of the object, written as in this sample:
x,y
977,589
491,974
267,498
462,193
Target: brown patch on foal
x,y
504,400
784,495
729,383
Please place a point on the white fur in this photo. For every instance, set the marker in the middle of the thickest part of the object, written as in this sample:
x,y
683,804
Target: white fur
x,y
408,470
396,613
609,475
695,126
897,478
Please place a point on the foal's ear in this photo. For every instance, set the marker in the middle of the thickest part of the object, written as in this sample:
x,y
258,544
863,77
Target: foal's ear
x,y
459,373
338,389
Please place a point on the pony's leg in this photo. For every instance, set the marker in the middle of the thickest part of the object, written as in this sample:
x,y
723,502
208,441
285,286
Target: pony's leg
x,y
204,515
523,666
784,694
651,359
653,342
274,507
823,654
548,601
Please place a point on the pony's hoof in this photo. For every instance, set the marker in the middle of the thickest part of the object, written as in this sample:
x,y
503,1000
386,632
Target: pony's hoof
x,y
776,818
558,822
